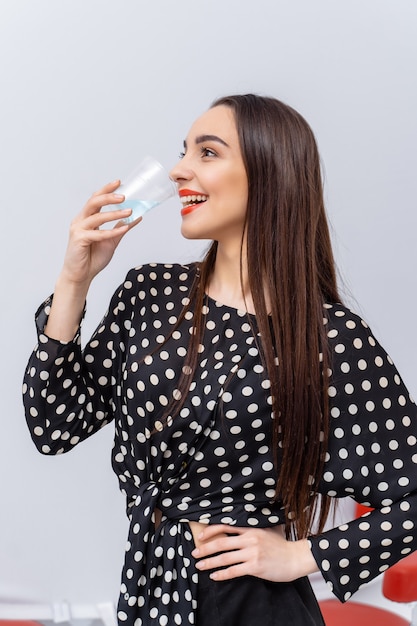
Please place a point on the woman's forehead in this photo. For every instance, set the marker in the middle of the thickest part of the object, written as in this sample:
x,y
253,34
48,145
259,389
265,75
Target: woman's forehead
x,y
218,121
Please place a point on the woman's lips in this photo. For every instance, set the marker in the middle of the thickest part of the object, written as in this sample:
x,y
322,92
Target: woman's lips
x,y
191,199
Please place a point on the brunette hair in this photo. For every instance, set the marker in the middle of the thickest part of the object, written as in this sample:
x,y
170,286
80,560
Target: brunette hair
x,y
289,258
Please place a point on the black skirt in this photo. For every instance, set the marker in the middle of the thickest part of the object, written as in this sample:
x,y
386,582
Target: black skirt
x,y
250,601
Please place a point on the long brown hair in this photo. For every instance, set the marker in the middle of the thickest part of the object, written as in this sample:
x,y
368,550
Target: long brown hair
x,y
289,257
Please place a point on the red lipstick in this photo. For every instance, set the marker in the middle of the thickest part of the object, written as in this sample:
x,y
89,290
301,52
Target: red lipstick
x,y
189,209
191,199
189,192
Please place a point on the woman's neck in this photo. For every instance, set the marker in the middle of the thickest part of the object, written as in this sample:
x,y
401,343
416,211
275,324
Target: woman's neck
x,y
229,282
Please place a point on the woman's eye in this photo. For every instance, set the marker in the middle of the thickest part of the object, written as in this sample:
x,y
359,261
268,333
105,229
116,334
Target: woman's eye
x,y
206,152
181,155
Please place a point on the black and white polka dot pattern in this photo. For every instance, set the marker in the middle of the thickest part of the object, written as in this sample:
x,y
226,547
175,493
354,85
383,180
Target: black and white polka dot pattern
x,y
213,462
372,457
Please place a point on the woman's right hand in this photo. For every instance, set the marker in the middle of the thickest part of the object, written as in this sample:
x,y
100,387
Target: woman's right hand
x,y
91,248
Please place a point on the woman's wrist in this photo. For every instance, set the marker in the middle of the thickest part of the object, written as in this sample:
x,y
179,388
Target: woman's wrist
x,y
66,309
72,288
302,559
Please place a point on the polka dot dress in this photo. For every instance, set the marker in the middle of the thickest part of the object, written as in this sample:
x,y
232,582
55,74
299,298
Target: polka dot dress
x,y
213,462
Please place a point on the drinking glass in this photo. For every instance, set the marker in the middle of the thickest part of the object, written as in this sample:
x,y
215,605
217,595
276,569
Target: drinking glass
x,y
146,187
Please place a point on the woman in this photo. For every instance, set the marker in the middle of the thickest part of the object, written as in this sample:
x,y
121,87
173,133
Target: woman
x,y
245,396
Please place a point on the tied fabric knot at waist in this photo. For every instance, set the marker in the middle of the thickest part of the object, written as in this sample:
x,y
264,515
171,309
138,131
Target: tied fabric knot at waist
x,y
159,580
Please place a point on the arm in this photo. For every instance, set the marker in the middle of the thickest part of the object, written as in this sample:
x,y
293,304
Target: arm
x,y
63,399
69,394
372,457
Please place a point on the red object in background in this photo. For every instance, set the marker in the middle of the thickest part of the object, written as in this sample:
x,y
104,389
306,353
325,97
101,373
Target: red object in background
x,y
400,580
361,509
355,614
18,622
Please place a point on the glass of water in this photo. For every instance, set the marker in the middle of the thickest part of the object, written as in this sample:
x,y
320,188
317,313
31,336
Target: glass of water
x,y
146,187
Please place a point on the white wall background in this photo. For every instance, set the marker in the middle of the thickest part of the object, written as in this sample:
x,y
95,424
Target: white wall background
x,y
90,86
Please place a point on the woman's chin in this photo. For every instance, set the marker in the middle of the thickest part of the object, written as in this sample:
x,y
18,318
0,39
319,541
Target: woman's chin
x,y
193,233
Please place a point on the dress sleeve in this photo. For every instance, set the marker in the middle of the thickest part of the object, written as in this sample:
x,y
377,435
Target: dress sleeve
x,y
372,457
68,393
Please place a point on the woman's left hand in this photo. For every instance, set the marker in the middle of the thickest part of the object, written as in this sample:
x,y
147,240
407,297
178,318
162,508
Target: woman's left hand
x,y
261,552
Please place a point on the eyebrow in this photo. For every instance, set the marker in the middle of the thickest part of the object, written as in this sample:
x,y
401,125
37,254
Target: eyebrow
x,y
204,138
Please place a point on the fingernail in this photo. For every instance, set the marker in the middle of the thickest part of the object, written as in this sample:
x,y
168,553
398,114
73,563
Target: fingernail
x,y
118,195
195,552
200,565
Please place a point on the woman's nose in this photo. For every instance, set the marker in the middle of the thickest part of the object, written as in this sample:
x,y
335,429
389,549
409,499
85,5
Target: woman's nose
x,y
180,172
